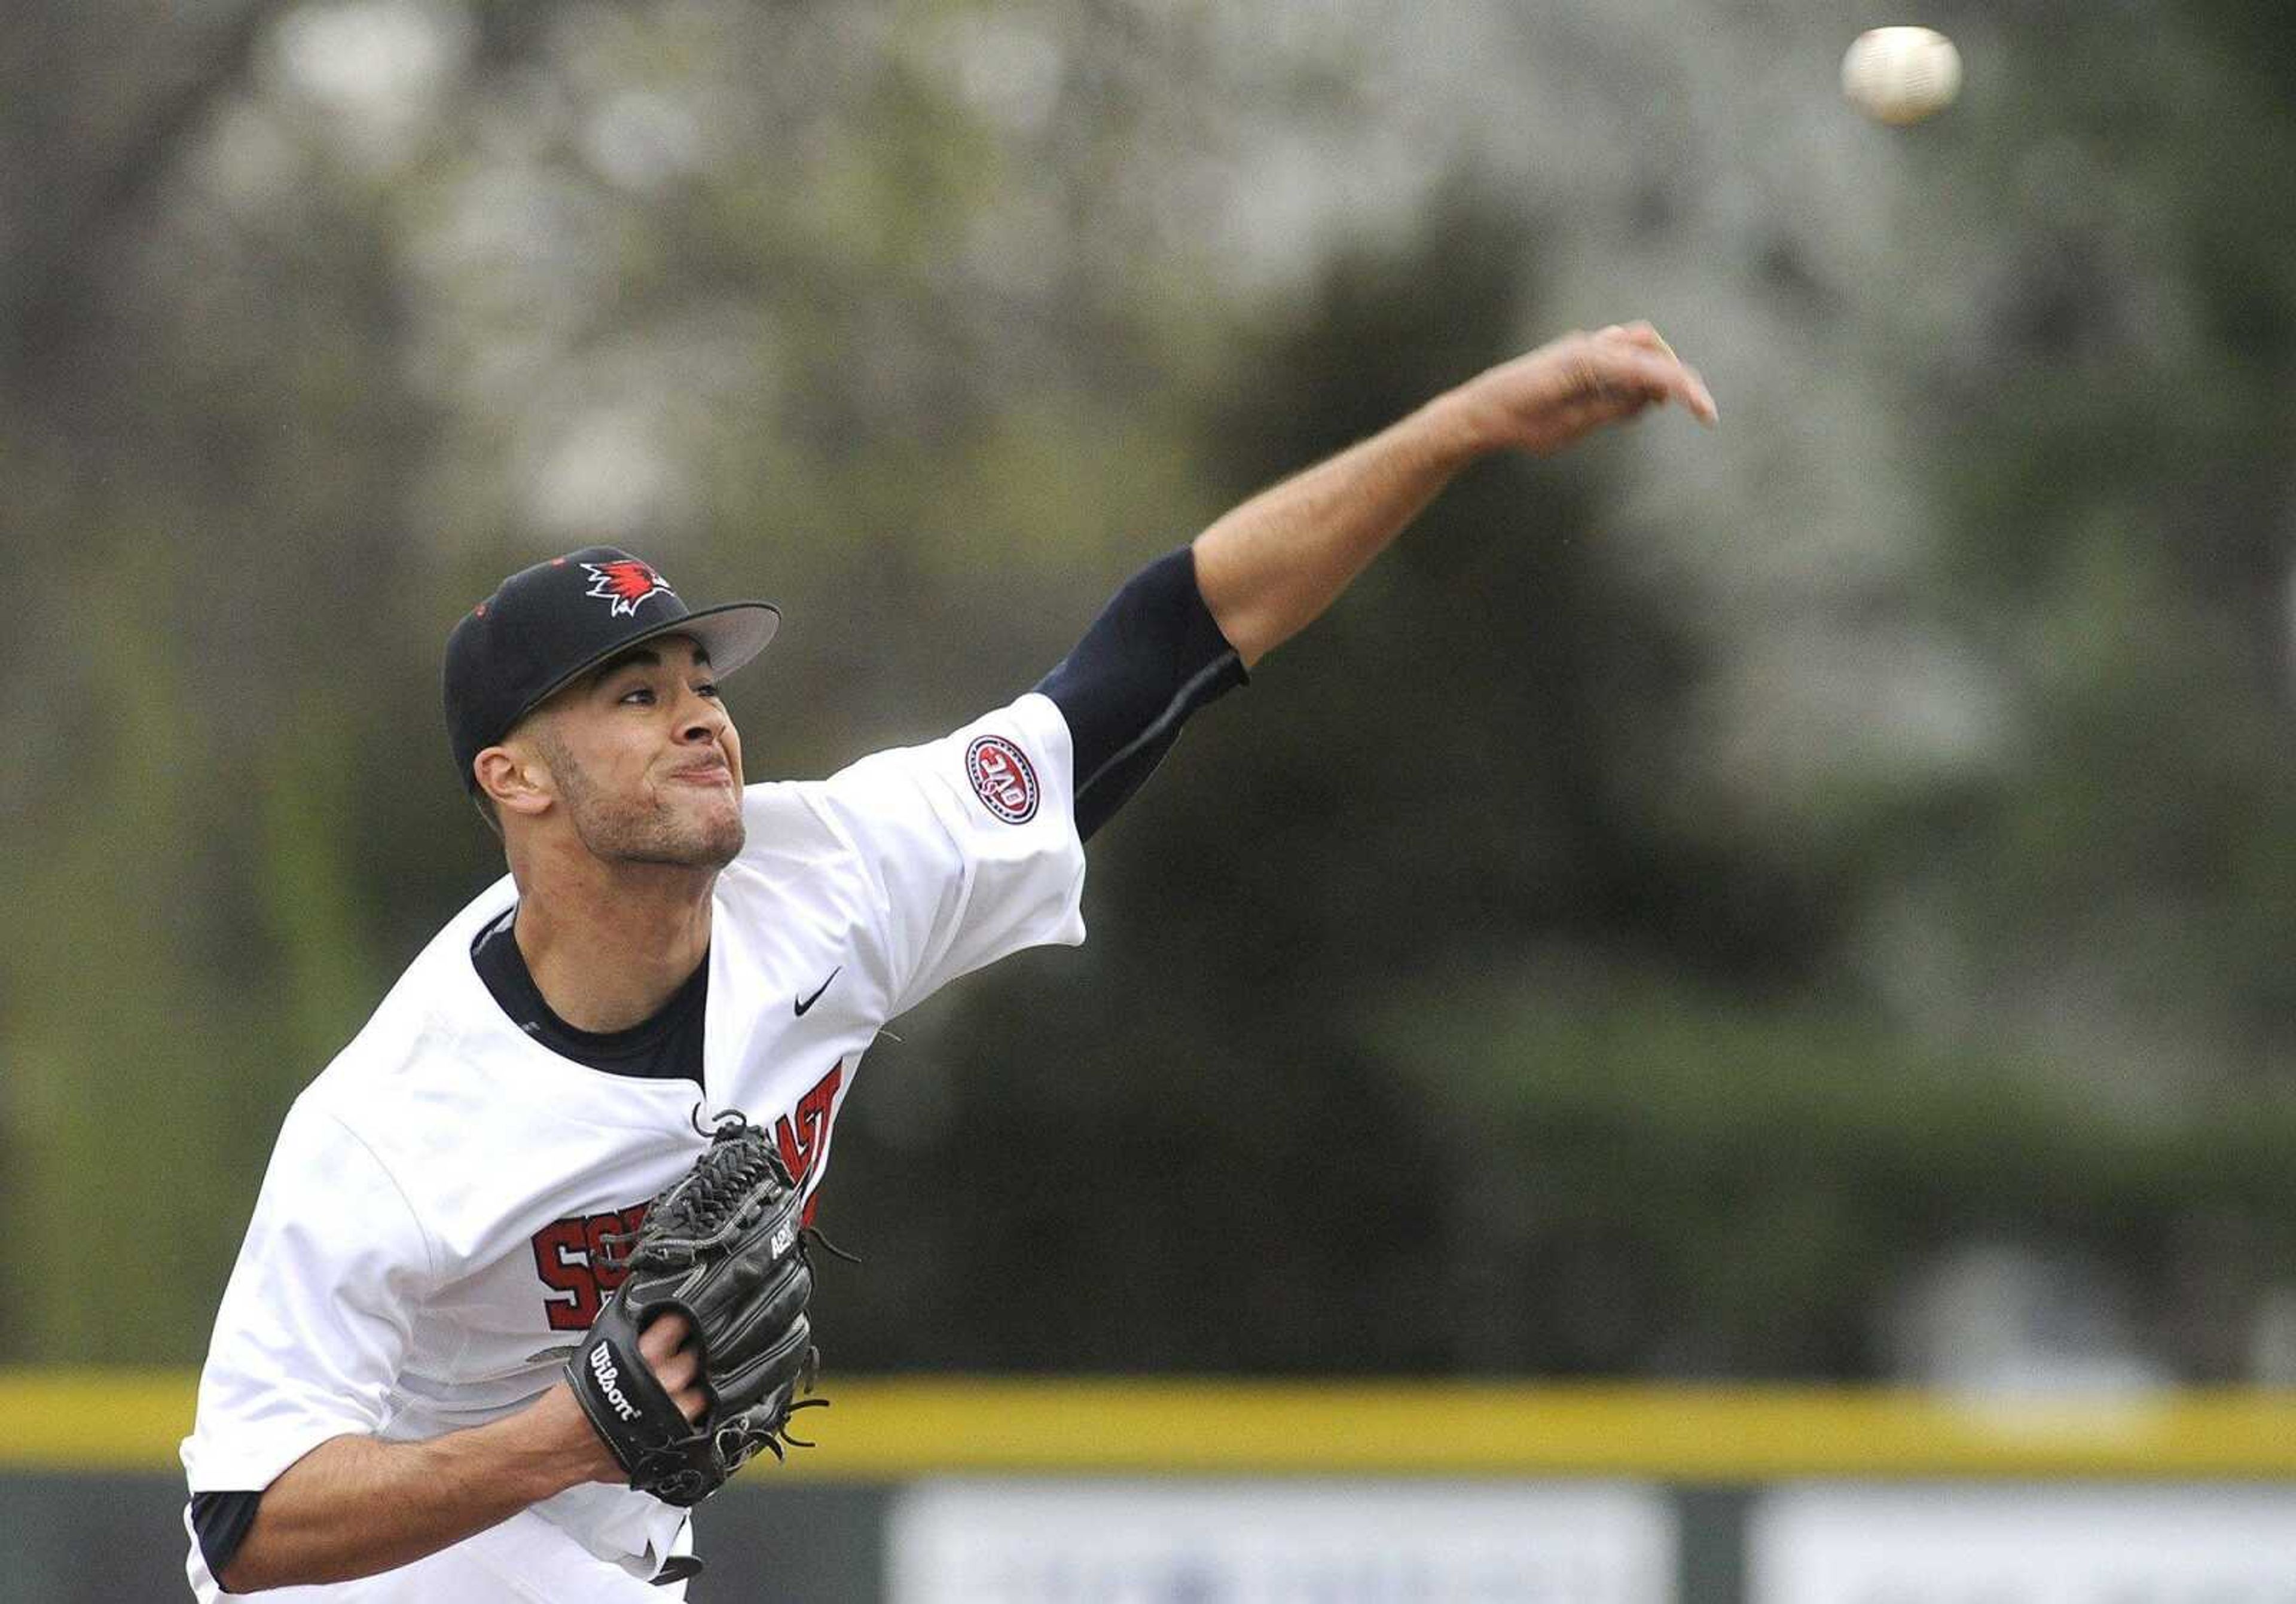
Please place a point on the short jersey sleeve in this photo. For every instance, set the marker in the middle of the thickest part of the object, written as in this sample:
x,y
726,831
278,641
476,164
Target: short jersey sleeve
x,y
318,1314
968,843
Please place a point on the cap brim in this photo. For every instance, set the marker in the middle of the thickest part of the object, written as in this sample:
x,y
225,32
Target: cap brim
x,y
732,633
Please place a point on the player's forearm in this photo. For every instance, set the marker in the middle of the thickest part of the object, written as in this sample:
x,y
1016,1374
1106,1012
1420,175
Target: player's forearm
x,y
354,1506
1271,567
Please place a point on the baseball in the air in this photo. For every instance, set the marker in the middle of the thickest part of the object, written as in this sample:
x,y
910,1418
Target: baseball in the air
x,y
1901,75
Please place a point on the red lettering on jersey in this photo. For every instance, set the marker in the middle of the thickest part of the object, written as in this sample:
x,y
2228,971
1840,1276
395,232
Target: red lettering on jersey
x,y
570,1256
802,1140
603,1270
571,1301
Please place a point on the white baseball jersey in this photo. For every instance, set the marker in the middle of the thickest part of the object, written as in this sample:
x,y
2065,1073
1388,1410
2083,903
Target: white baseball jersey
x,y
427,1228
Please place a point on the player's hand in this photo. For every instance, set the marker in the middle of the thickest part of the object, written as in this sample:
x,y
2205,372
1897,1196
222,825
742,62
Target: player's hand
x,y
666,1345
1553,397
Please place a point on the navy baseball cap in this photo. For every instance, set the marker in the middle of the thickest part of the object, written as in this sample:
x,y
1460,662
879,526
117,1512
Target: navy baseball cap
x,y
547,626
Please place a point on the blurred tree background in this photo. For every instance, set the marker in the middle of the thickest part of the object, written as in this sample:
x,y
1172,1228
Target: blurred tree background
x,y
1806,900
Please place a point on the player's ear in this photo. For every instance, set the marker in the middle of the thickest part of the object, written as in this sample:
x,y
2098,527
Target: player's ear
x,y
517,778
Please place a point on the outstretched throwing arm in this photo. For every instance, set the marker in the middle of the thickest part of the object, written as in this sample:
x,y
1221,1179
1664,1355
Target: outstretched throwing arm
x,y
1270,568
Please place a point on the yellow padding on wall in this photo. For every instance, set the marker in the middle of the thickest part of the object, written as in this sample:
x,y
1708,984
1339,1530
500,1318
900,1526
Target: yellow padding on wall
x,y
81,1419
892,1430
895,1429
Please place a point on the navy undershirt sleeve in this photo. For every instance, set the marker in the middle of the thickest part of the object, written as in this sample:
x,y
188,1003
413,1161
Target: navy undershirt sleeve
x,y
1153,655
221,1520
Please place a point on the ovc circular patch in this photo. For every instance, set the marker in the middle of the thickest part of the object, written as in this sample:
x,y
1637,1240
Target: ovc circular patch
x,y
1002,778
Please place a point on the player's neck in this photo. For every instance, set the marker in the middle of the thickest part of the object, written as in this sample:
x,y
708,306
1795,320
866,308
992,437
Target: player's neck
x,y
607,953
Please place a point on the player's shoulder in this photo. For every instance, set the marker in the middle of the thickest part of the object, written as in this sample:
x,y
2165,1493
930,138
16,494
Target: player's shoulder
x,y
1006,762
915,814
425,1023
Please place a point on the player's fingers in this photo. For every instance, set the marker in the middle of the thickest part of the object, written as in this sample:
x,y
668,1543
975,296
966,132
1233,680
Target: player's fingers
x,y
677,1370
1616,407
680,1375
676,1362
1642,336
1640,333
1630,370
1606,383
663,1336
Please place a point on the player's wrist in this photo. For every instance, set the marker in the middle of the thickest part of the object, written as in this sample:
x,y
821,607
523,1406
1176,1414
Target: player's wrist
x,y
553,1447
1459,426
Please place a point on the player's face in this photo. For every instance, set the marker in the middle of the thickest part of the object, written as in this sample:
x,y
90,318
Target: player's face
x,y
646,760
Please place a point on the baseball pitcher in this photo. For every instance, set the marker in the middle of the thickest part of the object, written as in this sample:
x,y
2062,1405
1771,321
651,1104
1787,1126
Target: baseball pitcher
x,y
527,1276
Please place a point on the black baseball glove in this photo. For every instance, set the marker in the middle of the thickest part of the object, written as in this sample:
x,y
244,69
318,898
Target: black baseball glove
x,y
724,1245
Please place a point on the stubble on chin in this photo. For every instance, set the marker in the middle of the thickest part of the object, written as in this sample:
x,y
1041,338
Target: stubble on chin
x,y
673,837
652,830
720,837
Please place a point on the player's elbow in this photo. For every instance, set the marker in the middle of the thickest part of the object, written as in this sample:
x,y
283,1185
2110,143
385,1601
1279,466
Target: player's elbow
x,y
264,1560
251,1562
256,1568
241,1575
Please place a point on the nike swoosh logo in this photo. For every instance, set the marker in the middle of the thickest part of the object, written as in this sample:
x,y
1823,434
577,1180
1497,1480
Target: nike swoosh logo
x,y
824,987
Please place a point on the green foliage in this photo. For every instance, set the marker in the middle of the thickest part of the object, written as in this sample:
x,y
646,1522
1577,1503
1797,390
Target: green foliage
x,y
1684,889
1759,1176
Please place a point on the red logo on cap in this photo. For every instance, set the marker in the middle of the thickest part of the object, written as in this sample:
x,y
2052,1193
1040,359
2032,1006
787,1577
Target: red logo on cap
x,y
625,583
